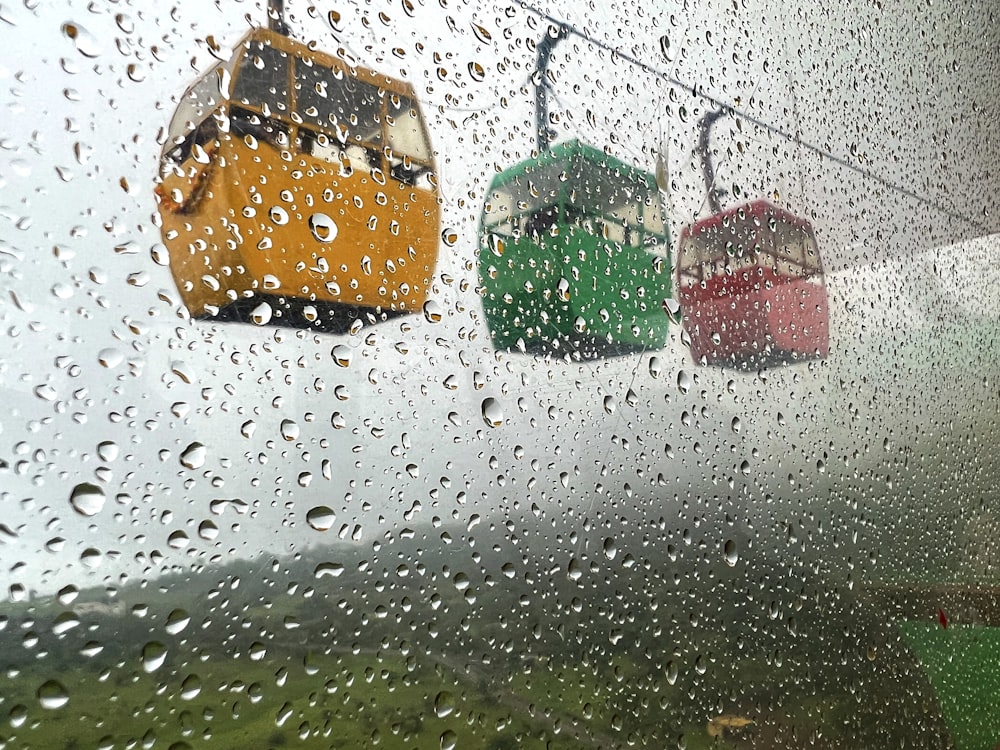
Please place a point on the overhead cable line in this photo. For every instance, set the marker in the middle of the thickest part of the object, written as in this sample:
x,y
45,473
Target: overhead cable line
x,y
565,27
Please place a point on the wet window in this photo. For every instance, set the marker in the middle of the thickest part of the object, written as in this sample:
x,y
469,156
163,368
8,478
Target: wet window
x,y
346,112
444,375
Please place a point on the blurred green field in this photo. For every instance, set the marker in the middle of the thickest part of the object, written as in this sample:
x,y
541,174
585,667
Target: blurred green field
x,y
963,665
337,701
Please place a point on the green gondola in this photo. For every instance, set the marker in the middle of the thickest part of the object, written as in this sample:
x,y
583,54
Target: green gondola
x,y
573,256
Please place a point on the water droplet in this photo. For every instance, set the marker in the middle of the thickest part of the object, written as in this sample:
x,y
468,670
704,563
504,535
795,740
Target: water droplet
x,y
342,354
574,570
52,695
261,315
610,548
671,673
331,569
482,34
181,370
448,740
107,450
46,392
194,456
655,367
662,167
87,499
289,430
731,553
610,405
432,311
91,557
110,358
154,654
18,715
444,704
321,518
177,620
278,215
284,714
323,227
68,594
562,290
492,413
673,309
65,623
191,687
86,43
665,48
736,425
684,381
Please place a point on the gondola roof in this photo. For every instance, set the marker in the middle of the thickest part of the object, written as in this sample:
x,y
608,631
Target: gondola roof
x,y
577,152
758,211
323,59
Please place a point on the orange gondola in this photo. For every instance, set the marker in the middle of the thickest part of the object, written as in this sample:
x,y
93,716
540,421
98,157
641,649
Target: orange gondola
x,y
298,189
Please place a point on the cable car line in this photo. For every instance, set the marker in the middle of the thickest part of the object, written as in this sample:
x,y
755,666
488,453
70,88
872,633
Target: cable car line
x,y
700,94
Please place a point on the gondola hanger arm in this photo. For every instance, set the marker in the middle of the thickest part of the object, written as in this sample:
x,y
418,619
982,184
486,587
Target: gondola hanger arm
x,y
704,150
276,17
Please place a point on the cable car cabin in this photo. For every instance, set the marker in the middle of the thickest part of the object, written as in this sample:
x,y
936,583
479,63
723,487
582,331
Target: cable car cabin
x,y
295,188
573,256
750,285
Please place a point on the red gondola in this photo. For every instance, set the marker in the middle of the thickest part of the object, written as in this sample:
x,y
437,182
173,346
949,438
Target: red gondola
x,y
750,284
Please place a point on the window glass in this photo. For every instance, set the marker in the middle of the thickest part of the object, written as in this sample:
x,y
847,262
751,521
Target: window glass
x,y
406,133
262,79
203,98
347,110
596,375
